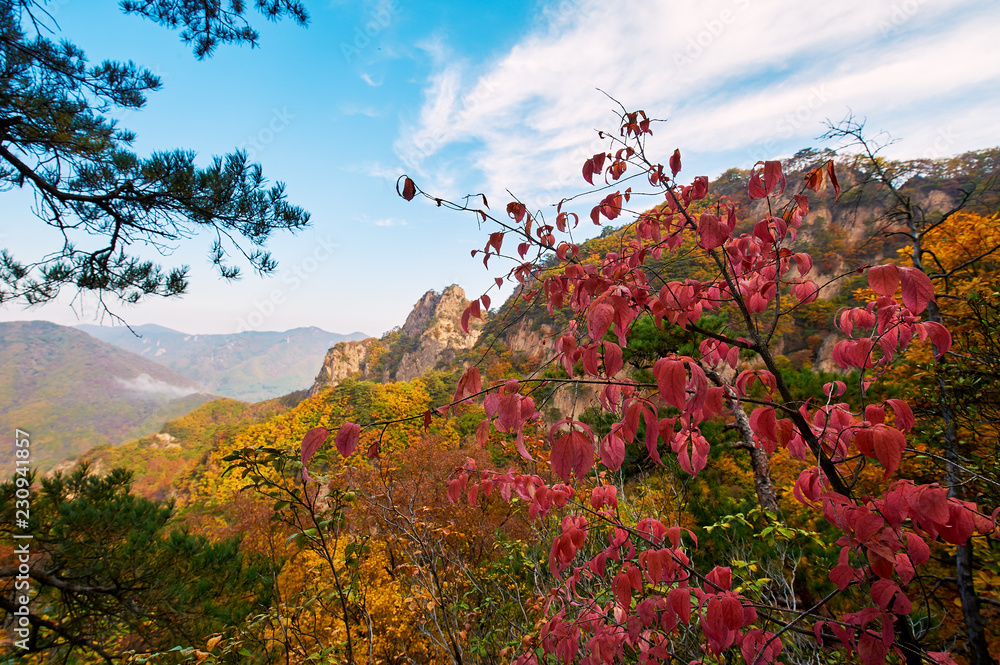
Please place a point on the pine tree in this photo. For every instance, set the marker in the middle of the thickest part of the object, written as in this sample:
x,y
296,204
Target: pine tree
x,y
107,574
111,205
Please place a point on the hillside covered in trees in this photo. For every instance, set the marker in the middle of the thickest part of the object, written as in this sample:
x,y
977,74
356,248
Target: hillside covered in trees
x,y
543,491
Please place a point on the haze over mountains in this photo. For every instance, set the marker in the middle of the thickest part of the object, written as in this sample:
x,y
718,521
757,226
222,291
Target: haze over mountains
x,y
248,366
70,391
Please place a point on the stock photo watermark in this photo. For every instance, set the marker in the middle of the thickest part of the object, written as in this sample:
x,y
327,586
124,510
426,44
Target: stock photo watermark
x,y
256,143
710,31
900,13
379,17
292,278
427,144
21,616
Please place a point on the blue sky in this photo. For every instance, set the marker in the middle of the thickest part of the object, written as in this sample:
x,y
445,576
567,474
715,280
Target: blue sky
x,y
484,97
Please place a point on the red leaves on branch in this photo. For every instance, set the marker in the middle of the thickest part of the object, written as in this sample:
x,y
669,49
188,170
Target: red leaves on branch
x,y
311,442
635,124
918,290
773,178
647,589
814,180
610,207
593,166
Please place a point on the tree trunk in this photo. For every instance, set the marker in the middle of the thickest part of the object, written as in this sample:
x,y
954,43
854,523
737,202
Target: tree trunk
x,y
762,483
979,653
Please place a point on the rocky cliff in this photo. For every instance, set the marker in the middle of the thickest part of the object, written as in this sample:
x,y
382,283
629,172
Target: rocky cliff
x,y
343,360
432,335
435,324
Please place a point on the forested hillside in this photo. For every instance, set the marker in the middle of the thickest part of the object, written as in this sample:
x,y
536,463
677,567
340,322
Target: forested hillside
x,y
708,475
73,392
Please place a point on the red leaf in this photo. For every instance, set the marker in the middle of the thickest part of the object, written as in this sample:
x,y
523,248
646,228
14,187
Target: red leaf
x,y
939,335
599,320
470,384
347,438
516,211
803,262
884,443
904,416
918,550
465,319
960,526
572,451
409,189
613,449
917,289
721,577
671,377
427,420
871,650
311,442
593,166
483,432
764,424
679,600
612,359
833,179
486,301
884,279
774,177
699,188
815,178
623,590
806,291
675,163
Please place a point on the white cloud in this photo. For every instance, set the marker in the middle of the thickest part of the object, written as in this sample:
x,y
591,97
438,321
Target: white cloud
x,y
389,221
736,79
147,385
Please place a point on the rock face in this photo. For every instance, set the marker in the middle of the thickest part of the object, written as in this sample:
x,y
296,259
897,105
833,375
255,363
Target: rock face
x,y
436,324
343,360
432,334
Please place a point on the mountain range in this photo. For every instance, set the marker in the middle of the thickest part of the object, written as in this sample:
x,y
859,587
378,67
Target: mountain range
x,y
248,366
71,392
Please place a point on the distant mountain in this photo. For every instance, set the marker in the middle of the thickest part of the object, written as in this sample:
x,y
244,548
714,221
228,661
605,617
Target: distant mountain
x,y
72,392
249,366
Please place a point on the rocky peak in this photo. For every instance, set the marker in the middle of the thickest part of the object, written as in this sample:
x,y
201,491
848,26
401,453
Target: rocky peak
x,y
432,334
437,327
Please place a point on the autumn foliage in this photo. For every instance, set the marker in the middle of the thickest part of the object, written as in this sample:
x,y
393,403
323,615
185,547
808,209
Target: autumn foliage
x,y
629,590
